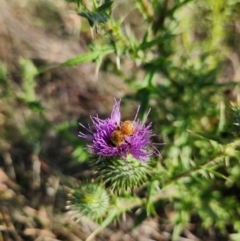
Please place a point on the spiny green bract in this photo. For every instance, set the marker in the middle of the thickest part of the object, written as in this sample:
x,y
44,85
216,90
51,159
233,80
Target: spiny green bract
x,y
90,200
122,175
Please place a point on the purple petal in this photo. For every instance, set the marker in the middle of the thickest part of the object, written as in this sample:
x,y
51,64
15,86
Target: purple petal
x,y
116,115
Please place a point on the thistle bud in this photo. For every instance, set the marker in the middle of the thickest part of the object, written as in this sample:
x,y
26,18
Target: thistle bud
x,y
90,200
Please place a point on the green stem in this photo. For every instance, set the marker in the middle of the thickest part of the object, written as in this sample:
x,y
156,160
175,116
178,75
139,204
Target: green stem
x,y
194,169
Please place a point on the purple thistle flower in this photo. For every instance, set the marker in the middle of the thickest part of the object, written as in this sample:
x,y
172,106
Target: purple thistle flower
x,y
138,144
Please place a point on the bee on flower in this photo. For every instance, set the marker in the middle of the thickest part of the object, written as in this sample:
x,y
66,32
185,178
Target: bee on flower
x,y
112,137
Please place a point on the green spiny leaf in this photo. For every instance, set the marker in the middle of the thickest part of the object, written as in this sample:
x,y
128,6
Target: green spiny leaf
x,y
87,57
98,16
94,17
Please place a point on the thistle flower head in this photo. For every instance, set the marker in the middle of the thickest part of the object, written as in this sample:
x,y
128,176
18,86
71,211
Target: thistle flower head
x,y
111,137
122,176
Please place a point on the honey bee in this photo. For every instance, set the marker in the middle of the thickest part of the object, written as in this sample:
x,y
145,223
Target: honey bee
x,y
117,138
125,129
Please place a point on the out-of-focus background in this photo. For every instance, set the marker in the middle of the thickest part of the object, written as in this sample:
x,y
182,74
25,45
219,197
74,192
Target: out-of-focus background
x,y
187,73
